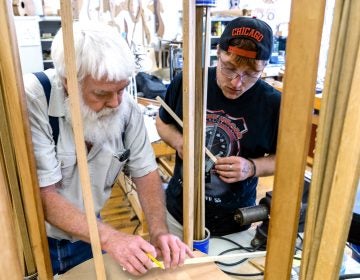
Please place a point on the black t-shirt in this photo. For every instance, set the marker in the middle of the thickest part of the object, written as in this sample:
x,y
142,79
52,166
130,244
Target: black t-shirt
x,y
246,127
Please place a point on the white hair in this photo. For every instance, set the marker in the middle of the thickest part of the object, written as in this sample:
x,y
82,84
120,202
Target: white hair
x,y
100,51
98,127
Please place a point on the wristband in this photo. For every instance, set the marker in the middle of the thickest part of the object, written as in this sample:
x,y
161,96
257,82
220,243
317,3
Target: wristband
x,y
254,167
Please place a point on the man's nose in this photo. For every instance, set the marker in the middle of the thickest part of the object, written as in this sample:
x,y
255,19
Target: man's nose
x,y
237,81
114,101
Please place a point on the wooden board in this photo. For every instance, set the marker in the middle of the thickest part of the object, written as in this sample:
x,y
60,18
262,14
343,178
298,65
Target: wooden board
x,y
336,162
11,84
86,271
7,237
302,53
189,24
81,155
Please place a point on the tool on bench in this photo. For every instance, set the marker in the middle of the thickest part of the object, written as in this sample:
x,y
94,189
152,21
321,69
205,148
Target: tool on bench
x,y
261,212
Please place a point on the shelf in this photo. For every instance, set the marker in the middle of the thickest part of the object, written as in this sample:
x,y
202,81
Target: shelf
x,y
49,26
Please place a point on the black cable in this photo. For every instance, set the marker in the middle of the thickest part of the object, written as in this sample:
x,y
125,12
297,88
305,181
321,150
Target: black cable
x,y
248,249
298,248
301,239
231,264
299,236
239,247
349,276
243,274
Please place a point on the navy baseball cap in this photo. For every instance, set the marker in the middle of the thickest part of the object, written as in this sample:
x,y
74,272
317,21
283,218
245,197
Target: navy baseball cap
x,y
253,29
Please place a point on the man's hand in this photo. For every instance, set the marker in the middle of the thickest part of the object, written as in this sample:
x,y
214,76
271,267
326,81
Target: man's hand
x,y
172,250
130,252
233,169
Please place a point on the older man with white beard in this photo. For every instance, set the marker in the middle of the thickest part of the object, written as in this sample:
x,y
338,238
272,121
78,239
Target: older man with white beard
x,y
113,126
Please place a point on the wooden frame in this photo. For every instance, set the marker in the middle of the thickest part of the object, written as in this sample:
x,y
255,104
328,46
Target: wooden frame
x,y
14,100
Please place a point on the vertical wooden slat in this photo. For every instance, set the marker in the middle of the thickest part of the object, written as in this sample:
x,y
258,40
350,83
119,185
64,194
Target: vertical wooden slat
x,y
14,102
189,26
15,193
343,188
10,260
315,207
303,46
199,154
331,151
201,82
72,82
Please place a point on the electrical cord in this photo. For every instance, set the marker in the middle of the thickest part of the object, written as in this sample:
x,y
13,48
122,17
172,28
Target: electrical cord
x,y
349,276
301,239
239,247
243,274
230,264
248,249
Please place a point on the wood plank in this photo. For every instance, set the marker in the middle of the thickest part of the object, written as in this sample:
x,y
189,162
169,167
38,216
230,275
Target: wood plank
x,y
219,258
343,189
12,176
322,146
318,194
85,271
293,140
199,136
10,261
73,91
188,118
341,64
14,103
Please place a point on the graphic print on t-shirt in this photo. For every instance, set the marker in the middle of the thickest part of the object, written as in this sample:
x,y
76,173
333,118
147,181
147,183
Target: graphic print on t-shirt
x,y
223,134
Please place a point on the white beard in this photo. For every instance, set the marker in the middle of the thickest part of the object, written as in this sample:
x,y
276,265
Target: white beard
x,y
99,127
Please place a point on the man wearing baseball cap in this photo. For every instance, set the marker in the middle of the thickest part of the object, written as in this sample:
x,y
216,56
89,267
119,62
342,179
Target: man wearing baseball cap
x,y
241,127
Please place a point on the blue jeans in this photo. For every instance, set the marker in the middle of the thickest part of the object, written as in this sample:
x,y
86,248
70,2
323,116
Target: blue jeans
x,y
65,255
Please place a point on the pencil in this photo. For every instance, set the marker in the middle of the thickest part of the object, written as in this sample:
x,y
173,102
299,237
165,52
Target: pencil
x,y
155,261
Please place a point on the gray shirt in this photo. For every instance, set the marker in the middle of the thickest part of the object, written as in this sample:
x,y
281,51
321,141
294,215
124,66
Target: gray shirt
x,y
59,163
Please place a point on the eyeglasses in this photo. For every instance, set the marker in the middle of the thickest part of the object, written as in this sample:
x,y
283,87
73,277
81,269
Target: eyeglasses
x,y
231,75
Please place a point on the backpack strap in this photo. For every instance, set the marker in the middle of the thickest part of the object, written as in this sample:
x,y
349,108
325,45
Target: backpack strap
x,y
54,121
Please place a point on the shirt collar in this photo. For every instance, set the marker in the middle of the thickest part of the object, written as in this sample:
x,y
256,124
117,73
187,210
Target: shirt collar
x,y
57,96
